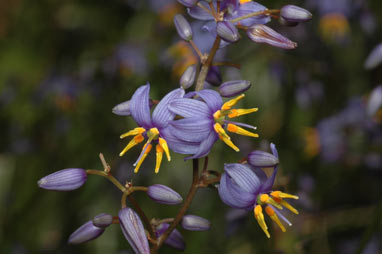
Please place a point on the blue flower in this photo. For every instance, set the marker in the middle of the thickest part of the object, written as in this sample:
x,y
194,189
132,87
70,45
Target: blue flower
x,y
153,128
204,121
246,187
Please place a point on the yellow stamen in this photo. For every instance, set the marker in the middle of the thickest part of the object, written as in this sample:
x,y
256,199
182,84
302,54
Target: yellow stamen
x,y
288,206
244,1
229,104
229,143
280,195
163,144
259,216
136,140
219,130
159,158
238,130
139,163
271,213
265,198
217,114
136,131
239,112
152,134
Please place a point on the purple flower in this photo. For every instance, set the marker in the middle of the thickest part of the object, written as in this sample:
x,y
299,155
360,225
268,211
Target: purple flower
x,y
85,233
264,34
151,127
64,180
245,187
175,239
164,195
103,220
204,121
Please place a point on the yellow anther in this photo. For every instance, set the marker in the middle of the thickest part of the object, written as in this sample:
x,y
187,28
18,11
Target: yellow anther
x,y
229,104
159,150
280,195
288,206
136,140
146,148
244,1
219,130
238,130
136,131
265,198
259,216
217,114
163,144
152,134
271,213
229,143
239,112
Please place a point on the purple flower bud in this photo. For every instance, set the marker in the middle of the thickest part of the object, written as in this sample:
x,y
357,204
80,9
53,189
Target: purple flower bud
x,y
227,31
374,58
263,34
64,180
375,101
133,230
85,233
188,3
285,22
164,195
122,109
175,239
102,220
293,13
188,77
262,159
234,87
195,223
183,27
214,76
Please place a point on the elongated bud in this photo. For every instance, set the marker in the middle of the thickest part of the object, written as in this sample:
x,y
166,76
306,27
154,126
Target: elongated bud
x,y
64,180
183,27
102,220
122,109
293,13
214,76
175,239
195,223
234,87
188,3
227,31
133,230
85,233
188,77
374,58
375,101
263,34
262,159
164,195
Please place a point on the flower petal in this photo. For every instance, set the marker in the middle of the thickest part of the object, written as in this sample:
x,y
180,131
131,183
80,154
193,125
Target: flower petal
x,y
211,98
199,13
243,176
177,145
162,114
267,185
205,146
140,106
193,129
189,108
248,8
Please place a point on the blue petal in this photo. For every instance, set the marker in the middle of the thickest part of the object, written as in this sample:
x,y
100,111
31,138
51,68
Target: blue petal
x,y
267,185
198,13
243,176
274,150
205,146
248,8
232,195
193,129
212,98
162,114
189,108
177,145
140,106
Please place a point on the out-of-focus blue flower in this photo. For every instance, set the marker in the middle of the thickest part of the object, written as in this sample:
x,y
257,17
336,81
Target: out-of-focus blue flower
x,y
195,223
245,187
151,127
204,121
374,58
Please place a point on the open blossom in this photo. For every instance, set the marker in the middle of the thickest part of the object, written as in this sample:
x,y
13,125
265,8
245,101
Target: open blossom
x,y
152,128
246,187
205,121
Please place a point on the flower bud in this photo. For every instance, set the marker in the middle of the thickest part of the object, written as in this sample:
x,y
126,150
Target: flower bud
x,y
285,22
85,233
227,31
133,230
175,239
188,3
263,34
214,76
234,87
375,101
183,27
64,180
195,223
103,220
262,159
122,109
188,77
374,58
292,13
164,195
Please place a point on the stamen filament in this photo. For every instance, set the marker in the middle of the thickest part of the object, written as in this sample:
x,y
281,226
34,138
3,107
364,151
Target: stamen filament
x,y
229,104
235,129
280,195
145,151
259,216
288,206
136,140
163,144
229,143
240,112
271,213
159,154
136,131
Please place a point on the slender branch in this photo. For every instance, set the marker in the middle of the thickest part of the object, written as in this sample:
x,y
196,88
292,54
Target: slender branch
x,y
238,66
123,199
106,167
205,164
143,216
196,49
108,176
253,14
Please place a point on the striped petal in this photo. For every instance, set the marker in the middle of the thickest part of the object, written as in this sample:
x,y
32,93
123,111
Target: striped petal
x,y
177,145
189,108
199,13
162,114
248,8
211,98
193,129
140,106
243,176
205,146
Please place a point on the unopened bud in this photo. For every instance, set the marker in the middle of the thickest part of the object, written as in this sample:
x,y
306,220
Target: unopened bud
x,y
183,27
188,77
263,34
188,3
234,87
227,31
122,109
85,233
195,223
102,220
164,195
262,159
293,13
175,239
374,58
375,101
64,180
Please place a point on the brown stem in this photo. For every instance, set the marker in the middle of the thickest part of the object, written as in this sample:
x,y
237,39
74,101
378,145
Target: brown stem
x,y
238,66
108,176
253,14
196,49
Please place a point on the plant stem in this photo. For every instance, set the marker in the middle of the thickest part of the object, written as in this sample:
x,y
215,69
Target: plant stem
x,y
253,14
143,216
108,176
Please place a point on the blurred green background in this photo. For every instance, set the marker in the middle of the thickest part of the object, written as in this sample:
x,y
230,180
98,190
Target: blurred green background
x,y
65,64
